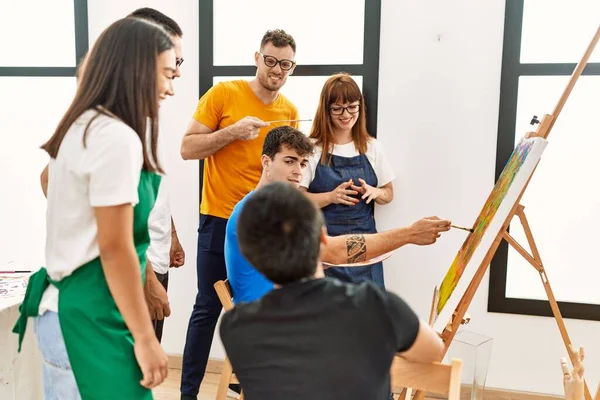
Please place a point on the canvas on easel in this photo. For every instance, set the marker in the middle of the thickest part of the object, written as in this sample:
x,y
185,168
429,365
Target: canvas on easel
x,y
502,199
497,231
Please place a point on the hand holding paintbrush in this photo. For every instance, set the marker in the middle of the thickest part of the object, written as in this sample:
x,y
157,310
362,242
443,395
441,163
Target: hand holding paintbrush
x,y
471,230
288,120
248,128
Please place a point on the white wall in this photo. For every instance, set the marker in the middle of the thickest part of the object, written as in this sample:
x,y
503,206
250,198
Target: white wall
x,y
438,111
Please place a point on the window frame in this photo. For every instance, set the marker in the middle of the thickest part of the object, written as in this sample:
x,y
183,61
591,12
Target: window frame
x,y
81,48
512,69
369,69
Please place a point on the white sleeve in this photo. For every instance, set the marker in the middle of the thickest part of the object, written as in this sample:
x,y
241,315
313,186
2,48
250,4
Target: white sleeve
x,y
113,162
160,150
309,172
383,169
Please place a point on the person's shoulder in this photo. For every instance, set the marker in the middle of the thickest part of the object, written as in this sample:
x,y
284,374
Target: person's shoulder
x,y
376,147
345,288
287,102
375,150
235,212
374,144
236,85
224,88
240,205
363,296
366,291
102,119
317,149
105,127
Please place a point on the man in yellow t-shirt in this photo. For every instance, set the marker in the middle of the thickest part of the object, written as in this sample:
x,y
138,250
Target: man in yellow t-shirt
x,y
227,131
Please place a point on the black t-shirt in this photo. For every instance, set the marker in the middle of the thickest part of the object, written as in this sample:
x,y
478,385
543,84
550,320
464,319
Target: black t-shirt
x,y
318,339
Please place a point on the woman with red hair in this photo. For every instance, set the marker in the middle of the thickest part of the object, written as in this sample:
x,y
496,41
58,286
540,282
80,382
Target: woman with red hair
x,y
348,173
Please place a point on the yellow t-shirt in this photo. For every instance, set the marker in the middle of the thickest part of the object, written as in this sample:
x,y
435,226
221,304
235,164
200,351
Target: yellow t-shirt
x,y
234,171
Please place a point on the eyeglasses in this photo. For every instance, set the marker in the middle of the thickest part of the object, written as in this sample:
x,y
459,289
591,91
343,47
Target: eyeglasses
x,y
178,62
271,61
339,110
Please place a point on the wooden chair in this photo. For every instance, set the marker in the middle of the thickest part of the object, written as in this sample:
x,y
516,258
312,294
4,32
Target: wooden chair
x,y
435,378
227,376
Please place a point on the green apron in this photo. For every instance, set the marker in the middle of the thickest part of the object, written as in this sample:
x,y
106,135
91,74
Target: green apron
x,y
98,342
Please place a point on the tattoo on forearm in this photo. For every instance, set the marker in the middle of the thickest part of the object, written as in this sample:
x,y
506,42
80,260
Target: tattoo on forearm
x,y
356,248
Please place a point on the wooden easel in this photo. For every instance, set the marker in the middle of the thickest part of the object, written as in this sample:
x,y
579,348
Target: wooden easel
x,y
458,317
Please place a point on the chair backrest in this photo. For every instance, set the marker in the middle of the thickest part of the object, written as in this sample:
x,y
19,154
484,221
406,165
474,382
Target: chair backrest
x,y
435,378
224,292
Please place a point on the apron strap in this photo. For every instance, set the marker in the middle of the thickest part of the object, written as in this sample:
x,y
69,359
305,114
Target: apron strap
x,y
36,286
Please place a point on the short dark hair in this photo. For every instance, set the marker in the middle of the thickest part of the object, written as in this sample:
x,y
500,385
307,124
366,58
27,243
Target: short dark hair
x,y
279,233
279,38
150,14
291,137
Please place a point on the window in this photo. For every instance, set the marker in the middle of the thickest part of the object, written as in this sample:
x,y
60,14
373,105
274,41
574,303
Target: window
x,y
37,82
321,38
543,41
42,41
331,36
326,45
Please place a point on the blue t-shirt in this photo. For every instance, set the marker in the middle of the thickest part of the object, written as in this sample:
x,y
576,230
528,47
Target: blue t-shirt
x,y
247,284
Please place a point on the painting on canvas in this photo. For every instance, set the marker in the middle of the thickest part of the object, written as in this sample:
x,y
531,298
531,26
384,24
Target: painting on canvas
x,y
496,209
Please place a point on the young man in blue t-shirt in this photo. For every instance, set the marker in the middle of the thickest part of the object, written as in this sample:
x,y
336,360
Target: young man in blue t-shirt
x,y
284,158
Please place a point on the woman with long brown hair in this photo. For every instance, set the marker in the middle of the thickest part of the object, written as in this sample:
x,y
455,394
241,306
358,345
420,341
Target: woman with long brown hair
x,y
91,319
349,171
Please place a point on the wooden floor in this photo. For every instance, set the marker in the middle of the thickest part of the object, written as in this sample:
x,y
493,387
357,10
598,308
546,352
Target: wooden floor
x,y
169,390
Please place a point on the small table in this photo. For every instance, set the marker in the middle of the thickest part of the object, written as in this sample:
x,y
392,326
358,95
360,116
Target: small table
x,y
20,373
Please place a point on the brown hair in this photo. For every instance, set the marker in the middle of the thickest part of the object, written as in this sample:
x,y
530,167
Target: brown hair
x,y
119,80
339,88
290,137
279,38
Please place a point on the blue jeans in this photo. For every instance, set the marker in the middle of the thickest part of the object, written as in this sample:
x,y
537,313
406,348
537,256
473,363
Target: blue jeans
x,y
210,267
59,381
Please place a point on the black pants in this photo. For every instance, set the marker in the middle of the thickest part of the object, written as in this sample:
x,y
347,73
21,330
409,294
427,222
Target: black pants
x,y
210,266
158,324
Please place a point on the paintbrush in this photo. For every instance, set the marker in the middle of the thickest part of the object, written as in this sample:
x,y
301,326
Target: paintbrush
x,y
289,120
463,228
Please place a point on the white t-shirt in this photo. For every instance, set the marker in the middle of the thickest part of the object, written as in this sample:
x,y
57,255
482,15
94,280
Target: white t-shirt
x,y
375,154
104,173
159,223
